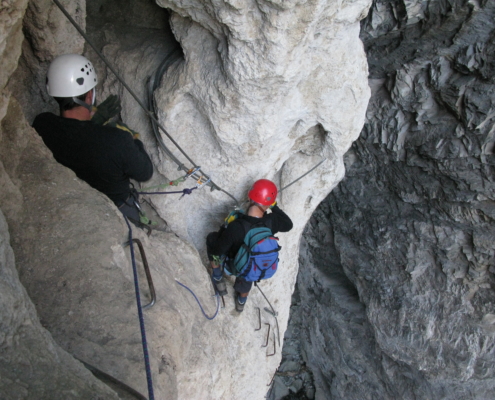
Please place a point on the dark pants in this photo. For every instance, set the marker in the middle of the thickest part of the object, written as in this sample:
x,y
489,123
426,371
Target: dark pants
x,y
240,285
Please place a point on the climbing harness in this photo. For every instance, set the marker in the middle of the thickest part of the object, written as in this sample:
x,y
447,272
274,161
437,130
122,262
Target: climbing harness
x,y
149,380
150,114
152,85
199,303
201,178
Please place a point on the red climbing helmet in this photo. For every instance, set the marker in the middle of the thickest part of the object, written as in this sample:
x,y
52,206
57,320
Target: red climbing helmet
x,y
263,192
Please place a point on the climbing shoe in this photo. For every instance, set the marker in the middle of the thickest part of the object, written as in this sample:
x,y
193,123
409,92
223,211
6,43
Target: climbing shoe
x,y
239,307
220,286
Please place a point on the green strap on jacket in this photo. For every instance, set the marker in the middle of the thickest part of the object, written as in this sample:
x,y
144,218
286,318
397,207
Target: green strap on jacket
x,y
106,114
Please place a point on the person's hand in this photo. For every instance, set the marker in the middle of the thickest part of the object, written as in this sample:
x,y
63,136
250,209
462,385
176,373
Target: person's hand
x,y
107,110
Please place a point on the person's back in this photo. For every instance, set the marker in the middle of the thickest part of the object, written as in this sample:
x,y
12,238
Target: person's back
x,y
105,157
233,238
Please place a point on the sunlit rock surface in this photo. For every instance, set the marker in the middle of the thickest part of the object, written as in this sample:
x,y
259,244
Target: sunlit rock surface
x,y
397,277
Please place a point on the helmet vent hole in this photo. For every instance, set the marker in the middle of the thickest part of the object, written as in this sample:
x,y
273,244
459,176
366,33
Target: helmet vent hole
x,y
80,81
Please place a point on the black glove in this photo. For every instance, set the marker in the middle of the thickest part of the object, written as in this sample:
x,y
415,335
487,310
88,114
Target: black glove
x,y
107,110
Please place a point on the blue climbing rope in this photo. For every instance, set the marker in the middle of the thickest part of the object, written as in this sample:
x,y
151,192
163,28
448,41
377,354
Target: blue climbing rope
x,y
184,192
200,306
151,395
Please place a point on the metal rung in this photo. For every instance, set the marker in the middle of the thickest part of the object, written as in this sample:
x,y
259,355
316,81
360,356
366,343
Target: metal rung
x,y
148,273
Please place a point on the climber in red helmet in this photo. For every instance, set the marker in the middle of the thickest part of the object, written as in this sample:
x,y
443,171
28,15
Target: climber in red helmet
x,y
225,244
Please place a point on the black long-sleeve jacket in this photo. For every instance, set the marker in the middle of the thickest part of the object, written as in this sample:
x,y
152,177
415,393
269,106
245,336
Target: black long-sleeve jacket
x,y
105,157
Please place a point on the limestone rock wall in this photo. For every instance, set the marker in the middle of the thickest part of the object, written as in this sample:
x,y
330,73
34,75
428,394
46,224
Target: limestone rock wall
x,y
278,57
32,365
242,105
270,103
399,258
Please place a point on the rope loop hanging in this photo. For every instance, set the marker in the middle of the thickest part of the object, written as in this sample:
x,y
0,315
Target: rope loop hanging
x,y
140,316
199,303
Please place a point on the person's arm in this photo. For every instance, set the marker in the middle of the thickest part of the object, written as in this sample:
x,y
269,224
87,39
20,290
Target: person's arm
x,y
137,163
223,243
232,235
280,220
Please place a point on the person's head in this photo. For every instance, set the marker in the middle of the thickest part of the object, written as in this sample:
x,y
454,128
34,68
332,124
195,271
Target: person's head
x,y
69,80
263,192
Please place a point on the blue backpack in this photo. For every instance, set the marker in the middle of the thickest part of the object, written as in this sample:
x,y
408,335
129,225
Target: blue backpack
x,y
257,258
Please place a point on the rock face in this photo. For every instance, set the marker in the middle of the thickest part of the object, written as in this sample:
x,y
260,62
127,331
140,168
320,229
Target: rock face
x,y
397,263
32,365
274,56
255,95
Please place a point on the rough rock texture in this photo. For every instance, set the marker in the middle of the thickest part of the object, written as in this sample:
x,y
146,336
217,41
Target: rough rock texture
x,y
48,34
244,92
271,91
397,267
262,80
32,365
84,292
243,105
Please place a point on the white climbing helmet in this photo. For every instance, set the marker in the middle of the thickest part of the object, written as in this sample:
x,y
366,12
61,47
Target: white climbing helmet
x,y
70,75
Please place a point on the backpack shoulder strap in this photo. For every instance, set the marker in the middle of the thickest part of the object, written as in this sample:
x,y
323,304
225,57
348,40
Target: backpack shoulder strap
x,y
247,225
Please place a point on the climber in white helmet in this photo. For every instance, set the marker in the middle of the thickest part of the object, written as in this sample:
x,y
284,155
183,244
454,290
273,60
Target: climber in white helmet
x,y
87,139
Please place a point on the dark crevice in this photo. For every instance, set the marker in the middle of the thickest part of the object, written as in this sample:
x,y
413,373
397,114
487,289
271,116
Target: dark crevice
x,y
386,259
